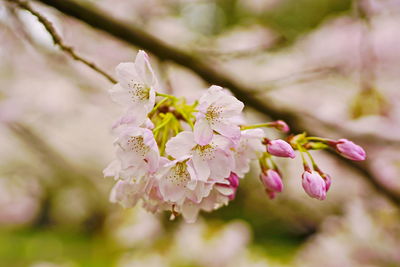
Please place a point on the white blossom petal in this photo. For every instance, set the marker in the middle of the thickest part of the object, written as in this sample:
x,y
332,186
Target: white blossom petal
x,y
113,169
126,193
144,69
180,145
201,167
190,211
202,132
229,130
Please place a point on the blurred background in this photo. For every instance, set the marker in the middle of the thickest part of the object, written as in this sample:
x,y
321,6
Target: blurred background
x,y
334,64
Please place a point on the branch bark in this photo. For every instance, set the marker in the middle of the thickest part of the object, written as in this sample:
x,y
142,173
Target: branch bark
x,y
57,38
163,51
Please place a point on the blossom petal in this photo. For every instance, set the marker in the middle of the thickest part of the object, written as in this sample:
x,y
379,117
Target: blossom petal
x,y
202,132
211,95
119,95
221,166
126,73
231,106
144,69
180,145
190,211
126,193
201,167
171,192
222,142
153,160
113,169
228,130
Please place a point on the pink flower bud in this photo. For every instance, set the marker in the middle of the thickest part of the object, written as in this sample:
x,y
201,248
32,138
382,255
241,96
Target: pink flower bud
x,y
233,195
281,126
272,181
350,150
328,181
280,148
314,185
233,180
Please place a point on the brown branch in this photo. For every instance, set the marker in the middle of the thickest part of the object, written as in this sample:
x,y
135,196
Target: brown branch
x,y
208,72
57,40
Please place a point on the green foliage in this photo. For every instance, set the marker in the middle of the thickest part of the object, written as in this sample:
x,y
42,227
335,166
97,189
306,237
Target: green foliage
x,y
29,246
293,18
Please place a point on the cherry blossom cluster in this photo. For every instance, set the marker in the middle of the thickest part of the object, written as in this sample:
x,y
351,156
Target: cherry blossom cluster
x,y
183,158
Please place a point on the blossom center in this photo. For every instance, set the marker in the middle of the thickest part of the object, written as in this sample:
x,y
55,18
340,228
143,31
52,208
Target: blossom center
x,y
138,91
206,152
137,145
179,174
213,113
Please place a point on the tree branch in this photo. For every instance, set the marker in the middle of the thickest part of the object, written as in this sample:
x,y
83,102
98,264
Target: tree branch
x,y
57,38
137,37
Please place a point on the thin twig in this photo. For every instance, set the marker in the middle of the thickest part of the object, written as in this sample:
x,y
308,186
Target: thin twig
x,y
209,73
57,40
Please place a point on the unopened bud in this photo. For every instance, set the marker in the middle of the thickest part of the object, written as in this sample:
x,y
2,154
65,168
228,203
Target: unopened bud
x,y
314,185
350,150
280,148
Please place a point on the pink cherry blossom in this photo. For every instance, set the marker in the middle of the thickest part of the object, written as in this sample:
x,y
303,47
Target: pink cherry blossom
x,y
177,182
217,111
136,87
314,185
127,193
350,150
137,150
217,198
272,182
280,148
220,195
214,160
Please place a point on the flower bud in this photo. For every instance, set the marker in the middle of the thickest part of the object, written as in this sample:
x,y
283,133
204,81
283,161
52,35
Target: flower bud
x,y
314,185
233,180
272,181
280,125
350,150
280,148
232,186
328,181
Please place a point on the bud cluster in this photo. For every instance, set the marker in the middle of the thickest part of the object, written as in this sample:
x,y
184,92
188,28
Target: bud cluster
x,y
180,157
315,182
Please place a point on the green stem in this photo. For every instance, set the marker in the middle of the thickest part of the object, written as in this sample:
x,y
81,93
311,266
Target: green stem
x,y
164,141
255,126
165,121
165,95
263,164
314,164
300,148
274,166
314,138
159,104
